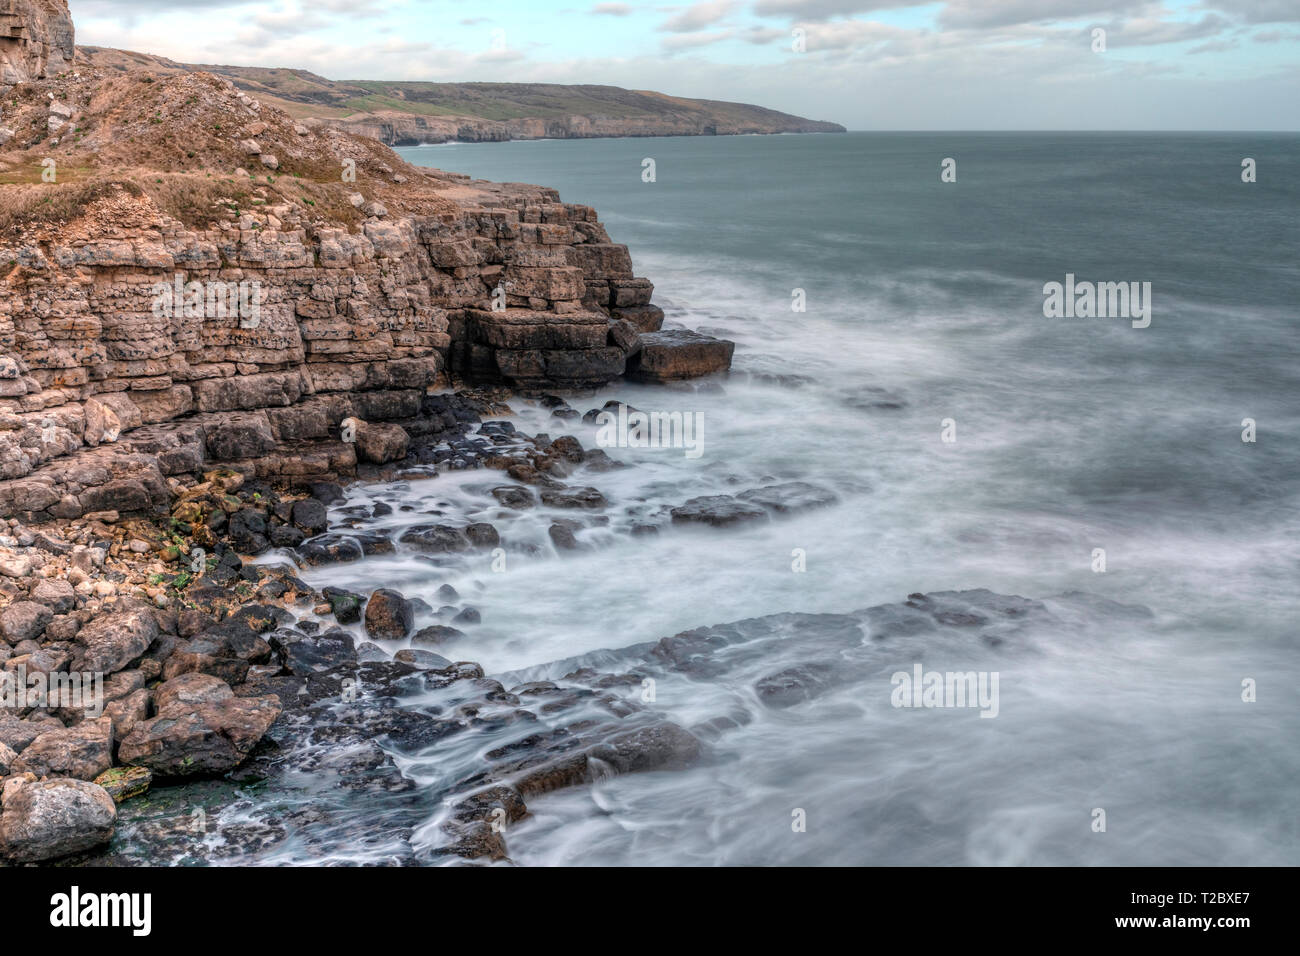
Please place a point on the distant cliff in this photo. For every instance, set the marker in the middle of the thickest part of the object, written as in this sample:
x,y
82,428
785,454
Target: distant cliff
x,y
405,114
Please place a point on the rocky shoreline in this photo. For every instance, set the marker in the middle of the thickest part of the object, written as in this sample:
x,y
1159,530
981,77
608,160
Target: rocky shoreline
x,y
210,317
220,665
244,717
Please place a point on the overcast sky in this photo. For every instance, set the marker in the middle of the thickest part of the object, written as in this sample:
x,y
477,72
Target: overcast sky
x,y
869,64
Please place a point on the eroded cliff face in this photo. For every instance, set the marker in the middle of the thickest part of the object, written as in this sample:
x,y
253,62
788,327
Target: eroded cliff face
x,y
256,285
36,39
408,129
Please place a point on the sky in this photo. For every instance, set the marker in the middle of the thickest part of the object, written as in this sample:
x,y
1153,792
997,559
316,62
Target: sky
x,y
868,64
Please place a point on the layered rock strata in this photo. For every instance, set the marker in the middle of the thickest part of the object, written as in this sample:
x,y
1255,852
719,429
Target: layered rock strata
x,y
36,39
335,283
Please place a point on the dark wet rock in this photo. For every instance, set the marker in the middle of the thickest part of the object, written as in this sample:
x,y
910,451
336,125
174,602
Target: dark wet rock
x,y
533,688
344,605
286,536
326,492
482,535
248,531
336,548
368,652
717,510
389,616
516,497
473,840
226,649
447,594
302,654
48,819
994,617
435,538
593,417
330,549
435,635
499,803
589,498
597,460
310,516
663,746
562,534
469,615
424,660
567,448
790,497
793,685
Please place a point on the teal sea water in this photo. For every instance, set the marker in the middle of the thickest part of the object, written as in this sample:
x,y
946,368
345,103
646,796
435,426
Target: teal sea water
x,y
925,304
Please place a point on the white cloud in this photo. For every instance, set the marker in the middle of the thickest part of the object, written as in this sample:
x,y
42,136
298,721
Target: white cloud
x,y
698,16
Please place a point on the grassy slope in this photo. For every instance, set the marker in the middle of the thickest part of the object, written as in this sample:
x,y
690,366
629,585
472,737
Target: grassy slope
x,y
304,94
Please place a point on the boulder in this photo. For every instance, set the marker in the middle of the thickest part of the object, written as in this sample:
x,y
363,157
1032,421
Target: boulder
x,y
302,654
24,621
435,635
310,516
17,733
436,538
113,640
389,616
56,594
47,819
194,738
679,354
344,605
790,497
586,498
82,752
380,443
717,510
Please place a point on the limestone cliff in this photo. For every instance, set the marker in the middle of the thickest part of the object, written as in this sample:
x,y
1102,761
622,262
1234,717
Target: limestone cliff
x,y
189,277
36,39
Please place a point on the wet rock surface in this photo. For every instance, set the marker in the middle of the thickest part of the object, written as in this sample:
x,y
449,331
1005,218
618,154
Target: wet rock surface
x,y
331,766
